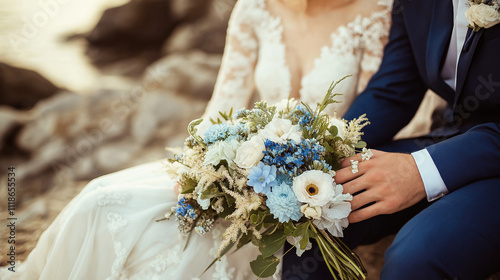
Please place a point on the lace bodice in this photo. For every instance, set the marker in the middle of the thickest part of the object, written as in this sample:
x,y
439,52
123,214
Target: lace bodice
x,y
255,58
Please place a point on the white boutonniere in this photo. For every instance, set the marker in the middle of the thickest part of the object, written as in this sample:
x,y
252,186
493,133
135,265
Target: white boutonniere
x,y
482,14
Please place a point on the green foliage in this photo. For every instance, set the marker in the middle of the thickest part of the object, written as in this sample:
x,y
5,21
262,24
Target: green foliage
x,y
303,231
229,207
270,244
264,267
227,117
211,192
360,145
188,184
192,131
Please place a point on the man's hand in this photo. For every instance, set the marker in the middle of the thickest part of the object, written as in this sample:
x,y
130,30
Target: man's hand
x,y
391,180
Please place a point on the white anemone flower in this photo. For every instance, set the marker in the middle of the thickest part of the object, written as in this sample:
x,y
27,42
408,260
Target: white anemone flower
x,y
335,212
314,187
281,130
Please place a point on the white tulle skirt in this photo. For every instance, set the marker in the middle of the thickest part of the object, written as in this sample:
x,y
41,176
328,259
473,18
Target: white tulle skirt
x,y
109,231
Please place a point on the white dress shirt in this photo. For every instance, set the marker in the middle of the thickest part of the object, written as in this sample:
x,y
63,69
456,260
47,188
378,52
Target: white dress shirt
x,y
433,183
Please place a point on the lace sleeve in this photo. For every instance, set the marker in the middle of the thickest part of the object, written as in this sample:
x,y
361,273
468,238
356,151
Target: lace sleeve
x,y
375,36
235,82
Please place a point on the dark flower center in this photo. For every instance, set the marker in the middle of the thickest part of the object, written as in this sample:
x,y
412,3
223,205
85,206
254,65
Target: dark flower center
x,y
312,189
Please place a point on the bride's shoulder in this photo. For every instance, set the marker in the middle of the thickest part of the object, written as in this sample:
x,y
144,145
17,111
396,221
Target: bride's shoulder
x,y
248,10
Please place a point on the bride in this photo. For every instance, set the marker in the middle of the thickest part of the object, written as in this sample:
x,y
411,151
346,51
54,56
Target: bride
x,y
283,48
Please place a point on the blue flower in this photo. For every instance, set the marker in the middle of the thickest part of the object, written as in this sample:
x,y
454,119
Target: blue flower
x,y
262,177
294,158
184,209
223,131
216,132
284,178
283,203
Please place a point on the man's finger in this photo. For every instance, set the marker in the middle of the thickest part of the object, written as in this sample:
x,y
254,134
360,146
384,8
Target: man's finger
x,y
347,161
353,186
345,175
364,213
362,199
357,157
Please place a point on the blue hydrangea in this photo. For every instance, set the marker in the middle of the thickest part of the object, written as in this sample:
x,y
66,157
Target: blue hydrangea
x,y
262,177
284,178
293,159
283,203
184,210
223,131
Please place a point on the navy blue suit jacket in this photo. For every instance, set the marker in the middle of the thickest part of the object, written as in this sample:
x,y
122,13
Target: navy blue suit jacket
x,y
412,63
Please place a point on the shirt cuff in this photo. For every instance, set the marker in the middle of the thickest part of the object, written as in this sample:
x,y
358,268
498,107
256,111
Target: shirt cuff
x,y
433,183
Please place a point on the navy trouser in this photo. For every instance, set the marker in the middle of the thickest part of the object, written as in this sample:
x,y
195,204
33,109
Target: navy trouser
x,y
455,237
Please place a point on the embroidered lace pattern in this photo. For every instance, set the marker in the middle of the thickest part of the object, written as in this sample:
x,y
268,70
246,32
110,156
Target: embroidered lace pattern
x,y
163,265
255,56
106,197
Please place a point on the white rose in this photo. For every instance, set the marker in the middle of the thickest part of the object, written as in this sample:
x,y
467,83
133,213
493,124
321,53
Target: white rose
x,y
311,212
482,15
281,130
250,152
341,127
314,187
221,150
286,105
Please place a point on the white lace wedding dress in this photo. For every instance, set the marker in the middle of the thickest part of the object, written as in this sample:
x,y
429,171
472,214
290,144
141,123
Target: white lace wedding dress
x,y
109,231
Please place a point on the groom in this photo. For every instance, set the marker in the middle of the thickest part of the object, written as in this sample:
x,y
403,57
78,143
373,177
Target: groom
x,y
441,192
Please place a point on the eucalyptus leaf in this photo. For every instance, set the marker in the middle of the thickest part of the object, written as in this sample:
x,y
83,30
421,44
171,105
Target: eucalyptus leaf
x,y
289,228
270,244
264,267
303,231
244,240
360,145
333,130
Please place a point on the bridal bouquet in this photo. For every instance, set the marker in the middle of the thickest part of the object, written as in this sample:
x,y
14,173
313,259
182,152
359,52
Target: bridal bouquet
x,y
269,172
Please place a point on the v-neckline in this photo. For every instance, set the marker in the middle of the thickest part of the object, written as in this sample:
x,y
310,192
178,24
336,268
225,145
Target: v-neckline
x,y
318,57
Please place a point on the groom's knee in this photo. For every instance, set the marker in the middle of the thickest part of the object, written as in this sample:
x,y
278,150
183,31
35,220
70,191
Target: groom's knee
x,y
415,256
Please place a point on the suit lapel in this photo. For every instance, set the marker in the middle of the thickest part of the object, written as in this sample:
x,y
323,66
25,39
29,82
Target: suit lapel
x,y
437,45
465,59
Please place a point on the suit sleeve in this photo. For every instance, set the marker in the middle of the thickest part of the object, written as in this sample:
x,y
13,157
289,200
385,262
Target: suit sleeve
x,y
394,93
391,100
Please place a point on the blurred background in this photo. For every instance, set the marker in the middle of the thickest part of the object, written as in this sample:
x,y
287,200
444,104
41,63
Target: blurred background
x,y
91,87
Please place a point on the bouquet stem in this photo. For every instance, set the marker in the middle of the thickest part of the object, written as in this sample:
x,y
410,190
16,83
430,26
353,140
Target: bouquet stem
x,y
339,257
